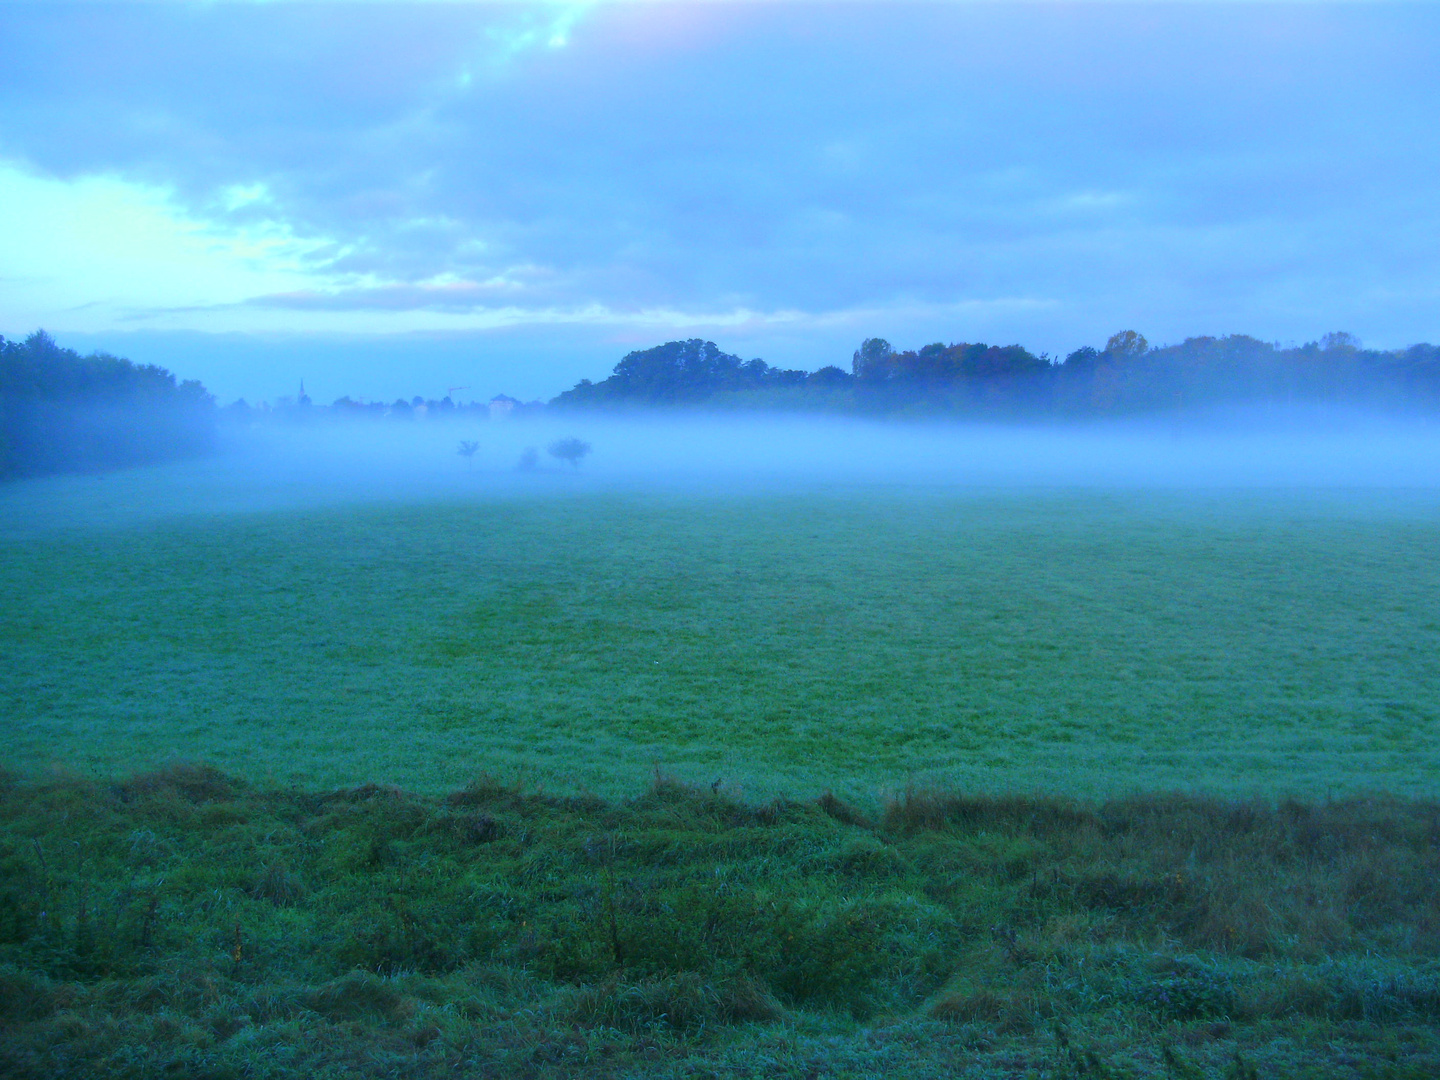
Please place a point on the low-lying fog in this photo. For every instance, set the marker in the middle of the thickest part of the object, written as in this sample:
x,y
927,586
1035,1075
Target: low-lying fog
x,y
327,461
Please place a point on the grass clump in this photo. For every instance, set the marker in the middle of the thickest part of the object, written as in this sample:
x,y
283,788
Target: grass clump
x,y
681,1002
185,921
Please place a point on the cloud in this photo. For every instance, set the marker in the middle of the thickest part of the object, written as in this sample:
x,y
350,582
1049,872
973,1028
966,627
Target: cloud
x,y
1031,172
446,296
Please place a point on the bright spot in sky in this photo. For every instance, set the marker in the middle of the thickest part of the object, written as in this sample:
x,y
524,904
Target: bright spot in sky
x,y
98,250
547,24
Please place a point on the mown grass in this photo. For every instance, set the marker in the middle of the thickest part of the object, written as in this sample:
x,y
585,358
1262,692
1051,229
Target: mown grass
x,y
187,923
1087,643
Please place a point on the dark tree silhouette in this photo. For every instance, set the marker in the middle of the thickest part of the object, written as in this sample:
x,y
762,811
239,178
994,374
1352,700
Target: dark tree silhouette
x,y
678,373
873,359
63,412
975,379
571,450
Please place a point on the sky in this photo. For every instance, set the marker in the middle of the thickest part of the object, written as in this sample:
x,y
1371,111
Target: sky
x,y
396,199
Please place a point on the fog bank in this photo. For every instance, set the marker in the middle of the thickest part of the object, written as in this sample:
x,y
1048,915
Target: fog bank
x,y
294,466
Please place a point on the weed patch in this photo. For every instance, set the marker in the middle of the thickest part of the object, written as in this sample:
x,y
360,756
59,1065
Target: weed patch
x,y
685,930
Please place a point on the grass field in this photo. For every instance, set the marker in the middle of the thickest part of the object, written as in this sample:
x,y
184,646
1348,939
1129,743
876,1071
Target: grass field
x,y
567,780
1072,642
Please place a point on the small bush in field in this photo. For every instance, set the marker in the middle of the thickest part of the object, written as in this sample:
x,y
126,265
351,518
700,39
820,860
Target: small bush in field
x,y
571,450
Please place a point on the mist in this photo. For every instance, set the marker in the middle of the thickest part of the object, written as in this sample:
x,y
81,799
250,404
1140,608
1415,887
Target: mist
x,y
1313,448
328,462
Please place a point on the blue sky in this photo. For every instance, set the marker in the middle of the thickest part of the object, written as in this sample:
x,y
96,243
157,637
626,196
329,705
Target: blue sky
x,y
392,199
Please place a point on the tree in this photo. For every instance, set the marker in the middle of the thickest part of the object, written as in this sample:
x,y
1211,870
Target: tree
x,y
677,373
1126,343
571,450
830,376
467,451
62,412
872,360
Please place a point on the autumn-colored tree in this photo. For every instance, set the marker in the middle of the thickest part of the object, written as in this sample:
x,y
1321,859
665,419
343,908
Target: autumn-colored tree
x,y
1126,343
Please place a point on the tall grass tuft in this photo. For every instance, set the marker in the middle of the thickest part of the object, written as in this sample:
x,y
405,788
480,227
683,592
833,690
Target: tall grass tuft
x,y
183,921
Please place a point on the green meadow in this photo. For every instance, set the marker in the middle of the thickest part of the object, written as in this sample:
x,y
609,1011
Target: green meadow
x,y
856,641
823,782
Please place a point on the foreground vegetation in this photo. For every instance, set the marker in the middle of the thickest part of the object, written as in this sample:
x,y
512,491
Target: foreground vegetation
x,y
182,922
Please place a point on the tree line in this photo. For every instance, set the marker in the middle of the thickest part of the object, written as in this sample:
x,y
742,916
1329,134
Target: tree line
x,y
60,411
689,373
975,379
63,412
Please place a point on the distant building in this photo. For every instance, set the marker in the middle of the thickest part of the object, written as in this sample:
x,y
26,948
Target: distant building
x,y
502,406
